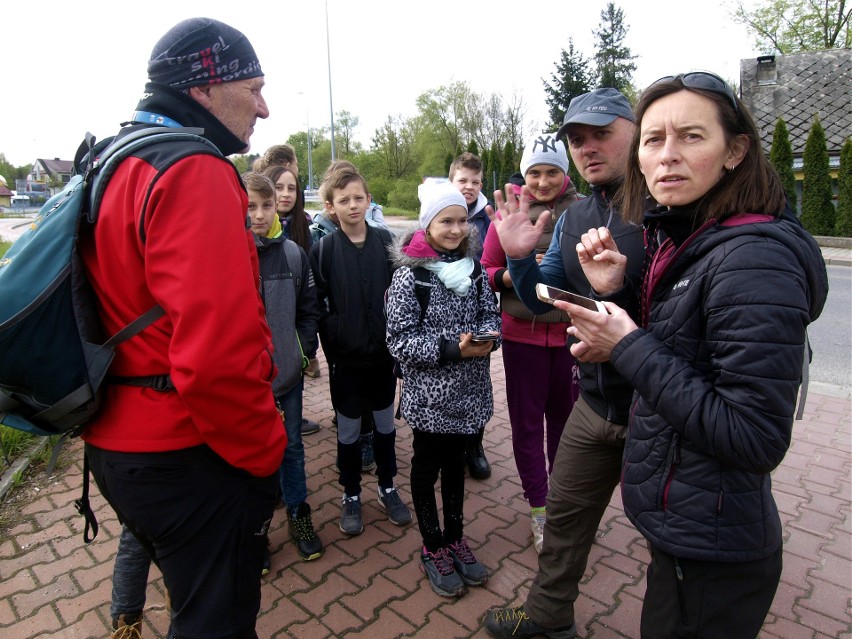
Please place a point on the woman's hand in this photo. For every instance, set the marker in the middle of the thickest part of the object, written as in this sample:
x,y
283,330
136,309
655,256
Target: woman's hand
x,y
603,265
598,332
469,348
518,236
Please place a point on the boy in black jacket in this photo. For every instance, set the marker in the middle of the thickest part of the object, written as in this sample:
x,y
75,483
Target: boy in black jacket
x,y
352,269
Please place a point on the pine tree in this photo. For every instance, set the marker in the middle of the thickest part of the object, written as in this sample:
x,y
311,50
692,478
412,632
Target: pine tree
x,y
781,157
844,192
473,148
818,213
511,161
579,183
573,77
615,64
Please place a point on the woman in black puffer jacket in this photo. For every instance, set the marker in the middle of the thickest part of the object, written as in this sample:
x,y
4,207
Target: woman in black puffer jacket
x,y
731,283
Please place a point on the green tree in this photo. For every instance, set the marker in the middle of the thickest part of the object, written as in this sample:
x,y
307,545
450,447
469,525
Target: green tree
x,y
614,61
579,183
844,191
791,26
781,157
394,147
818,212
572,77
511,164
473,148
345,124
242,162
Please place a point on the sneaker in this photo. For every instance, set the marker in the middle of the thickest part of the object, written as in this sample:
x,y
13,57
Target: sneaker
x,y
309,427
477,465
537,519
308,543
350,516
397,511
368,458
443,578
127,626
513,623
467,565
313,368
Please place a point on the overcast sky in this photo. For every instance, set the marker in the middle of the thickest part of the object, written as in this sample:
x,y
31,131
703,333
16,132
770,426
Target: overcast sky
x,y
78,66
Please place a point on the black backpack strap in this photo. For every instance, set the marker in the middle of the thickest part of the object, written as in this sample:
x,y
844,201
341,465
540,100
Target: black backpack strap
x,y
84,507
422,288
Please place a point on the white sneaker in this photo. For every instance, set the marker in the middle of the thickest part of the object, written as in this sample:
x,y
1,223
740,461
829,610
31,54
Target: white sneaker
x,y
537,519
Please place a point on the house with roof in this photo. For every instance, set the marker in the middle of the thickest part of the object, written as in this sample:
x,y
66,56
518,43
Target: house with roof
x,y
49,176
796,87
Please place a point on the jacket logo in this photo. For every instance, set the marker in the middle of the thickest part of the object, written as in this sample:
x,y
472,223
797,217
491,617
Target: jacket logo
x,y
681,284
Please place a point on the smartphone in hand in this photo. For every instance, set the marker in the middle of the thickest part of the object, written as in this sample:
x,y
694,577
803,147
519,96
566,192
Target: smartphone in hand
x,y
551,294
483,337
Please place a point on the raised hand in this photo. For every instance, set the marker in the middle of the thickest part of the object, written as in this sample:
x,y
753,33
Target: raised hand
x,y
518,236
603,265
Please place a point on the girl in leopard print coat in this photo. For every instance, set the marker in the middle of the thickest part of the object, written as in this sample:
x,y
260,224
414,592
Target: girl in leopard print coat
x,y
446,394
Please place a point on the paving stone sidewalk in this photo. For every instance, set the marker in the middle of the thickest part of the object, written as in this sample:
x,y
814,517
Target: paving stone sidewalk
x,y
54,586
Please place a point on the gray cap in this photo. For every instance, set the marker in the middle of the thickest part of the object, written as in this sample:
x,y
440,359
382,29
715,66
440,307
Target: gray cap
x,y
597,108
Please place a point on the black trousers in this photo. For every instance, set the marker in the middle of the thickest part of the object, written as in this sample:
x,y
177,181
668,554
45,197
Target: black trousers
x,y
707,599
204,522
438,454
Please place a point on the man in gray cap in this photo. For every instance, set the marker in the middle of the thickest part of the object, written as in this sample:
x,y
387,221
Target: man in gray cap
x,y
187,444
599,127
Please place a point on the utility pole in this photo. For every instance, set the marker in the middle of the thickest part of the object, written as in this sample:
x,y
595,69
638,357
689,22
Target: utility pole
x,y
330,101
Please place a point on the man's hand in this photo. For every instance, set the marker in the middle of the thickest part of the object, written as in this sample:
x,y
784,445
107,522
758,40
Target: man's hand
x,y
598,332
603,265
518,236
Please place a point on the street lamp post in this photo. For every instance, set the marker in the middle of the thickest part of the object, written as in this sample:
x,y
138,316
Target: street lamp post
x,y
330,104
310,149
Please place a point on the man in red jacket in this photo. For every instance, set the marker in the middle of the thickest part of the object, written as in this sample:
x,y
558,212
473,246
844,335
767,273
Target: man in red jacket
x,y
191,470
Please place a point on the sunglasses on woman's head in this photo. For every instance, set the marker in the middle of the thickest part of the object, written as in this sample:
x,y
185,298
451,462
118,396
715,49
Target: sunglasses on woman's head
x,y
703,80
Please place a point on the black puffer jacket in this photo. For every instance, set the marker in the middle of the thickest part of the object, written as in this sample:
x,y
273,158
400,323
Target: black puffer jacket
x,y
716,377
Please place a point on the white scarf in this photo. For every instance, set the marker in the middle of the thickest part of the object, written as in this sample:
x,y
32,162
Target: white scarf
x,y
454,275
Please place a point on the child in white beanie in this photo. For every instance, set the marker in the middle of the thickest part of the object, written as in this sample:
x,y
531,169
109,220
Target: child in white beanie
x,y
443,344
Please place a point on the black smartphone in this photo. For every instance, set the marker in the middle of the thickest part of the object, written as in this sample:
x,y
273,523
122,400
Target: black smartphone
x,y
551,294
484,337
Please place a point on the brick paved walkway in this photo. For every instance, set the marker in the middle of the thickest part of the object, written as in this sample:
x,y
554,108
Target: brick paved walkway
x,y
52,585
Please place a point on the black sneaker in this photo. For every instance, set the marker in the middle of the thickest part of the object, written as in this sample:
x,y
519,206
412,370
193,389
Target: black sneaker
x,y
443,578
397,511
267,560
350,516
513,623
467,565
309,427
477,465
308,543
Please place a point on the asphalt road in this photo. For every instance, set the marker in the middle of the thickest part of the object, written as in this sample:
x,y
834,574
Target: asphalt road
x,y
831,334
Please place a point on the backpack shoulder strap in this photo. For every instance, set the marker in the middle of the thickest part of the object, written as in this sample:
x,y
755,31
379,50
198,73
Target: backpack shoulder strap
x,y
294,261
422,288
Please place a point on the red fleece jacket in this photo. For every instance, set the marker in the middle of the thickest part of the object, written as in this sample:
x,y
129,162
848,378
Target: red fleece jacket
x,y
198,262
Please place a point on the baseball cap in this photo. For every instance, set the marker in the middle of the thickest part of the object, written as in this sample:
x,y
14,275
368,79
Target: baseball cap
x,y
597,108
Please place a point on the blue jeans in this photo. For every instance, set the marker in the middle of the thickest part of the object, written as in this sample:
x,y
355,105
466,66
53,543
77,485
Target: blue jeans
x,y
129,576
291,474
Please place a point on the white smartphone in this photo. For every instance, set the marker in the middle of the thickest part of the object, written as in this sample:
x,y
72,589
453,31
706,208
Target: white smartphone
x,y
551,294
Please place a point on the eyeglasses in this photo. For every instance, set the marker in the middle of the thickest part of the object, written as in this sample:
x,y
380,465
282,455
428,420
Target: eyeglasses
x,y
704,80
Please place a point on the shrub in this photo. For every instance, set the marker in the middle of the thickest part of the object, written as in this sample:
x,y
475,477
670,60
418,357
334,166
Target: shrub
x,y
818,213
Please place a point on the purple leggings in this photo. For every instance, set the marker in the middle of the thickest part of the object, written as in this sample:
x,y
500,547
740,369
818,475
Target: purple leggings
x,y
540,392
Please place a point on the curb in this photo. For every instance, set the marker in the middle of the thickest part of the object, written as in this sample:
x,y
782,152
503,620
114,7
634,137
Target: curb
x,y
8,480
